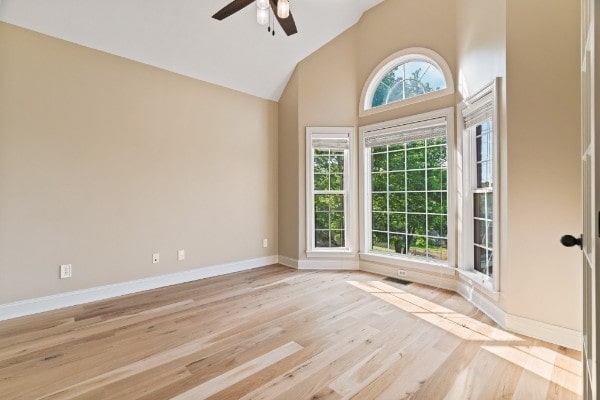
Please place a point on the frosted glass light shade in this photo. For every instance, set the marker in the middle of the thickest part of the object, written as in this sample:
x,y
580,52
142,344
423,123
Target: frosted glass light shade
x,y
262,16
283,8
262,4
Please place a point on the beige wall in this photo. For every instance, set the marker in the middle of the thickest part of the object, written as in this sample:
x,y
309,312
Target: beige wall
x,y
544,278
288,175
104,161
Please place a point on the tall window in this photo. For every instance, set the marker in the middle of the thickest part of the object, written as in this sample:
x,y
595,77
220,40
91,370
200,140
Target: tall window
x,y
328,184
480,196
483,201
406,185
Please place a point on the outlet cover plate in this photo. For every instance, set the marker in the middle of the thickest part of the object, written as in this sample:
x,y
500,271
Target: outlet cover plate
x,y
66,271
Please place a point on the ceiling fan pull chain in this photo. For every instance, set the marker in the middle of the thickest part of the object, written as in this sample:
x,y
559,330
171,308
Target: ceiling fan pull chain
x,y
273,32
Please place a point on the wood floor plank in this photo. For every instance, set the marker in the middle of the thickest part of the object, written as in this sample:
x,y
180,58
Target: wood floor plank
x,y
278,333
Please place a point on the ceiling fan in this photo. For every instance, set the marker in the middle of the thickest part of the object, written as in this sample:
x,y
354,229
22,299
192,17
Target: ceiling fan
x,y
287,22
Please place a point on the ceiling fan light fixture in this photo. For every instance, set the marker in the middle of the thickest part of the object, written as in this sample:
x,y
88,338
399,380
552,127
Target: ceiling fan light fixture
x,y
283,9
262,4
262,16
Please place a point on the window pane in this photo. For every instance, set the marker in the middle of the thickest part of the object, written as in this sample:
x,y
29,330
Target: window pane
x,y
436,157
397,202
436,179
379,202
418,246
437,225
321,182
321,165
321,202
322,238
398,243
490,205
336,220
336,182
336,164
380,221
397,160
417,224
398,222
397,181
380,241
479,205
436,202
379,182
415,158
336,202
416,202
480,259
437,248
321,220
337,238
415,180
490,234
479,232
379,162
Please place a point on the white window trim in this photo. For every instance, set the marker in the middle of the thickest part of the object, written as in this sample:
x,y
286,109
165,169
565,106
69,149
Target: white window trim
x,y
349,185
467,151
397,58
365,194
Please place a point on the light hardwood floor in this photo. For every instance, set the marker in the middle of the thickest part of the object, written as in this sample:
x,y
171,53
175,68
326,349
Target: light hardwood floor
x,y
278,333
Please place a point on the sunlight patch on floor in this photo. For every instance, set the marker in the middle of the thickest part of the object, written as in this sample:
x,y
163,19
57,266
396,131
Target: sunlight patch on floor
x,y
539,360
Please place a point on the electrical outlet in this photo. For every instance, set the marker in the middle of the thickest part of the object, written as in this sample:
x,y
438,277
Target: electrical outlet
x,y
155,258
66,271
180,255
402,272
265,242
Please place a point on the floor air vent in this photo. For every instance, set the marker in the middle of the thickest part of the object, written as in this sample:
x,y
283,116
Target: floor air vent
x,y
396,280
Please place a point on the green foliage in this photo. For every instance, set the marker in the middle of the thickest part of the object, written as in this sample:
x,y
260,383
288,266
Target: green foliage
x,y
410,204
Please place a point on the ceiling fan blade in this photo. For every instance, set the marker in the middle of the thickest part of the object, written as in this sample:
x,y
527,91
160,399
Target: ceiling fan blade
x,y
231,8
288,24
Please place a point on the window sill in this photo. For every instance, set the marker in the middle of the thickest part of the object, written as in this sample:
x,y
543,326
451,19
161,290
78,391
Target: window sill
x,y
342,253
415,264
483,283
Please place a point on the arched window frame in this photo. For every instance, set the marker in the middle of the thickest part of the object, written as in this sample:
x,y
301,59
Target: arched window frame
x,y
401,57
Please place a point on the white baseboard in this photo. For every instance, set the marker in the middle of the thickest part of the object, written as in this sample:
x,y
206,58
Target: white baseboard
x,y
53,302
442,281
288,262
488,307
540,330
331,265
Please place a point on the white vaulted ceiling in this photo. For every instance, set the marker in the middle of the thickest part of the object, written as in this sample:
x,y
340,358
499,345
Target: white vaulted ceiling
x,y
181,36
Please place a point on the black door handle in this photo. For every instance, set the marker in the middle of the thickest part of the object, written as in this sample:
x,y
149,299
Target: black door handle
x,y
570,241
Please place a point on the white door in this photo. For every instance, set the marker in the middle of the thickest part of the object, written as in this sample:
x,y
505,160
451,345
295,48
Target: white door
x,y
590,197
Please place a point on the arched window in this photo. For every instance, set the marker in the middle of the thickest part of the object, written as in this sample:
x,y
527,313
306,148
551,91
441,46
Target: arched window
x,y
406,77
